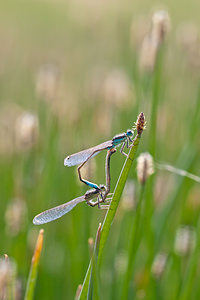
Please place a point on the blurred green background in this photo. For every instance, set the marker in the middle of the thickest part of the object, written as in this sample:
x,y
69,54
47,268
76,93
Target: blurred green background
x,y
71,76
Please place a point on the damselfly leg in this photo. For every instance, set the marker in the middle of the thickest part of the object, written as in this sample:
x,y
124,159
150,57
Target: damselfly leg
x,y
104,193
91,184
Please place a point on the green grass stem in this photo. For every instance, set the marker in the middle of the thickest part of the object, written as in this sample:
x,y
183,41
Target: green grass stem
x,y
34,267
190,274
134,245
113,207
94,289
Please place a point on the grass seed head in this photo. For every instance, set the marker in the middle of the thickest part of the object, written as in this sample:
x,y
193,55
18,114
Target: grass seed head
x,y
145,167
26,130
47,82
185,240
140,124
160,25
7,272
159,265
15,216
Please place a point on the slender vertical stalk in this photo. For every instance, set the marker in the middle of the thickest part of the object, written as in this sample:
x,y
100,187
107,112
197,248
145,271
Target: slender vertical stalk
x,y
94,278
134,245
140,125
190,274
34,267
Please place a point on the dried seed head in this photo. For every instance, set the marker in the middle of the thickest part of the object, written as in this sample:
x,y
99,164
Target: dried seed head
x,y
8,115
7,272
148,54
15,216
18,129
47,82
140,124
185,240
26,130
159,265
145,167
159,27
91,246
78,291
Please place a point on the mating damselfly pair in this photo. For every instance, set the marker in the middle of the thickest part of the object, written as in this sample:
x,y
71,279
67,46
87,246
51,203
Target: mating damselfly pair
x,y
100,192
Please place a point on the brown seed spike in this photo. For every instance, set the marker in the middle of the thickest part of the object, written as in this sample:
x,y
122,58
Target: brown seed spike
x,y
140,124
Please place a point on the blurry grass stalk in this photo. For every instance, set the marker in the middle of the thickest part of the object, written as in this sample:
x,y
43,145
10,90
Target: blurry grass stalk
x,y
191,270
185,159
135,240
178,171
140,126
151,62
7,279
153,76
78,292
144,170
154,109
34,267
94,289
154,89
12,283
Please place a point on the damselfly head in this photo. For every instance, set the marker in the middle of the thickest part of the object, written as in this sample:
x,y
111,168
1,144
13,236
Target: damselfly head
x,y
66,160
129,132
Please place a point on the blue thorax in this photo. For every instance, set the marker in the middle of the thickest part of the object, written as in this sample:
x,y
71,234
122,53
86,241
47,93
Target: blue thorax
x,y
120,138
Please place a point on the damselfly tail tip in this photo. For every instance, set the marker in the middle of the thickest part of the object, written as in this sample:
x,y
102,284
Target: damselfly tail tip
x,y
66,161
35,221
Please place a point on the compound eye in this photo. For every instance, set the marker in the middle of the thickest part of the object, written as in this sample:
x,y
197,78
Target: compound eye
x,y
129,132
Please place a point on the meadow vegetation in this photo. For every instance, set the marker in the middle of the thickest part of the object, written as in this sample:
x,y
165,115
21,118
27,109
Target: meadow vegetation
x,y
73,75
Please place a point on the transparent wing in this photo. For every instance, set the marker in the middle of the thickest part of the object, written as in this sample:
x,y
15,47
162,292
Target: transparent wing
x,y
79,157
56,212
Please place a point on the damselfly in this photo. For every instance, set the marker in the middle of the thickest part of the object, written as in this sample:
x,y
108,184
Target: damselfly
x,y
83,156
101,195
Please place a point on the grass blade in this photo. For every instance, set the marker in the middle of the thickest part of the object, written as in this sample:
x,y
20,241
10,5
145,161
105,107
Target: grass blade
x,y
135,239
140,126
190,274
34,267
94,278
